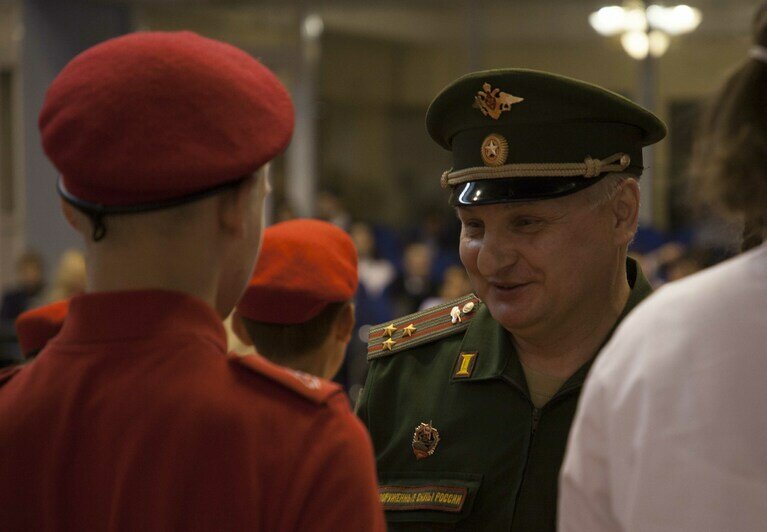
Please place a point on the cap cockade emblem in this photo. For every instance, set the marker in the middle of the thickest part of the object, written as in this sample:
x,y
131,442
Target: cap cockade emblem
x,y
493,102
495,150
425,440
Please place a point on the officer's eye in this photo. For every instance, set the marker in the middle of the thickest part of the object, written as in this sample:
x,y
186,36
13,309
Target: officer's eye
x,y
527,223
472,227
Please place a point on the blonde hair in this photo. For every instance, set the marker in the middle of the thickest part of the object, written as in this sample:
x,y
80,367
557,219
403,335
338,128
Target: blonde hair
x,y
70,277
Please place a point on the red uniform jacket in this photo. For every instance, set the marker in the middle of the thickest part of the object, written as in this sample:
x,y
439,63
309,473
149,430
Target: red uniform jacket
x,y
134,418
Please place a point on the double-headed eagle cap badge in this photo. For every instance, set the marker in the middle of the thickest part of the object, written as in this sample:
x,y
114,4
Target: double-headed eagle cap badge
x,y
493,103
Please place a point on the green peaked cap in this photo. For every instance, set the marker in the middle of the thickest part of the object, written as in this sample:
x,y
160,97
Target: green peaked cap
x,y
522,135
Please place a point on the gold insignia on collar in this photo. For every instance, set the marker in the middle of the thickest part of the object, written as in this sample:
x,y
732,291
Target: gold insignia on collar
x,y
425,440
409,330
388,344
493,102
495,150
464,366
391,329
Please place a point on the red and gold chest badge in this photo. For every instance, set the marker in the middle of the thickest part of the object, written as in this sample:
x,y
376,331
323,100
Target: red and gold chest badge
x,y
425,440
492,102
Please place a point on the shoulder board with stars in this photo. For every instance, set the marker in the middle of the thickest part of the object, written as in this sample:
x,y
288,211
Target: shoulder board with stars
x,y
422,327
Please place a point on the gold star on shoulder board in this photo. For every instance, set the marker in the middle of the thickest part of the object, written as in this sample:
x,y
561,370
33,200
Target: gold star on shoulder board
x,y
388,344
388,331
409,330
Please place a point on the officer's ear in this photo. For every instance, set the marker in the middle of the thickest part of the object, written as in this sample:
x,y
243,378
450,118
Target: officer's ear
x,y
625,208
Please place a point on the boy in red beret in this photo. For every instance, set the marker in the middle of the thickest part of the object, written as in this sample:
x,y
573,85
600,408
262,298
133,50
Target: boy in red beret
x,y
133,417
36,327
297,310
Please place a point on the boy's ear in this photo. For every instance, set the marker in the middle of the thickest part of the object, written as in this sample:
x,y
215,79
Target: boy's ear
x,y
343,326
234,206
74,218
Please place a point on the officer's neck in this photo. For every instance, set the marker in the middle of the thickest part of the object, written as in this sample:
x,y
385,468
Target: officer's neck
x,y
560,349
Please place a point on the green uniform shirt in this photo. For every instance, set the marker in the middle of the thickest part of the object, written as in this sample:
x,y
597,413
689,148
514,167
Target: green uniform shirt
x,y
497,461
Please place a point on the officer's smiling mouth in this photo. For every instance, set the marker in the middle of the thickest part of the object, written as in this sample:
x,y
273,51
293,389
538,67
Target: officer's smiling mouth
x,y
508,287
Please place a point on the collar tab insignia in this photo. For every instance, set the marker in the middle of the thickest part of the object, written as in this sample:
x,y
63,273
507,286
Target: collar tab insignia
x,y
425,440
492,102
464,366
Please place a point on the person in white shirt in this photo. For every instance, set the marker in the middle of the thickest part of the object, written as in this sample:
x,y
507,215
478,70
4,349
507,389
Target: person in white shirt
x,y
671,433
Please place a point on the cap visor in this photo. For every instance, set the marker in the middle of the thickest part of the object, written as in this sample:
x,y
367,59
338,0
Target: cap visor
x,y
516,189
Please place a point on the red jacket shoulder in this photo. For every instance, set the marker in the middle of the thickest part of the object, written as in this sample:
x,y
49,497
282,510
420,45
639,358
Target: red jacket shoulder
x,y
314,389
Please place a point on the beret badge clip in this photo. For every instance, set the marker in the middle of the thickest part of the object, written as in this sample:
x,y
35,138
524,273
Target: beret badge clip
x,y
492,102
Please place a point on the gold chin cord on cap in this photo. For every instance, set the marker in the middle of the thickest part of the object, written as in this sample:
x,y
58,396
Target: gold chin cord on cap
x,y
590,167
759,53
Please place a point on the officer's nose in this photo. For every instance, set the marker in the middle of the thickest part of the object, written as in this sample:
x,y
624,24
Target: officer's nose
x,y
497,253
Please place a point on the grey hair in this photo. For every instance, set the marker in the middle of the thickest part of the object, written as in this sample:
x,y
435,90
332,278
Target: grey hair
x,y
605,190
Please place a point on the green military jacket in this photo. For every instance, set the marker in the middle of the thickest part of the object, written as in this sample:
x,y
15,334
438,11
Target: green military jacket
x,y
496,462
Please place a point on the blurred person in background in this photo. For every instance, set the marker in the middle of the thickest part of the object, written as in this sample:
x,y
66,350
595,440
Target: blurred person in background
x,y
134,417
414,284
670,433
455,283
330,207
375,273
27,293
469,403
70,277
298,309
29,288
690,261
439,230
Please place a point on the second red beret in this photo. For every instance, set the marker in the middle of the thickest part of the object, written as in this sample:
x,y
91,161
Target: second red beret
x,y
304,265
37,327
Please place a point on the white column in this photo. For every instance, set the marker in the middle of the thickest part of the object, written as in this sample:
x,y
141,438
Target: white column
x,y
301,163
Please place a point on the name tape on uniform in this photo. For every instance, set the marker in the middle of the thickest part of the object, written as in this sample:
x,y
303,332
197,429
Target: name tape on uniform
x,y
444,498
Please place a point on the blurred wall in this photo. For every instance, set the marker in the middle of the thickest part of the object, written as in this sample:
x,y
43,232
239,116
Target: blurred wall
x,y
53,33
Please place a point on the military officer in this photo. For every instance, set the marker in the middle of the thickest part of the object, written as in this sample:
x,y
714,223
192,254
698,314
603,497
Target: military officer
x,y
133,417
469,403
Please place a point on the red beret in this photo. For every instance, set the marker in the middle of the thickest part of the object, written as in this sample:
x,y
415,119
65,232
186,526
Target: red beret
x,y
36,327
153,116
303,266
